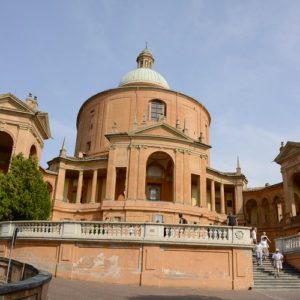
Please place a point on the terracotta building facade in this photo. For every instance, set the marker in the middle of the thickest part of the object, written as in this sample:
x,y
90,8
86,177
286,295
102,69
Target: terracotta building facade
x,y
23,128
276,208
143,154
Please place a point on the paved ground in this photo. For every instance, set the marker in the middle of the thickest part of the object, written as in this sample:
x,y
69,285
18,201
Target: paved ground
x,y
61,289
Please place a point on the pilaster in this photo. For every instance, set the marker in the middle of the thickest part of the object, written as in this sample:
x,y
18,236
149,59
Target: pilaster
x,y
111,176
142,165
186,179
133,173
60,183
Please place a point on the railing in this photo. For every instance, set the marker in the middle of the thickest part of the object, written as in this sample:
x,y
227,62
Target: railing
x,y
24,282
118,231
288,244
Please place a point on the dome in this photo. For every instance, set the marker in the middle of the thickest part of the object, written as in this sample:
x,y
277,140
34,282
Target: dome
x,y
145,76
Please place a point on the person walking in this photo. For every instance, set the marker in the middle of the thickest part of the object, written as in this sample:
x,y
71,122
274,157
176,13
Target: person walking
x,y
277,259
264,235
265,248
258,253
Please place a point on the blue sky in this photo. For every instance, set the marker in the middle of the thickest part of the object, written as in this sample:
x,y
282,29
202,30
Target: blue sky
x,y
238,58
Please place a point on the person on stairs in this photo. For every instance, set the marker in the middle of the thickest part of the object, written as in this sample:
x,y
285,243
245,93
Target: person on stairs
x,y
277,259
258,253
265,248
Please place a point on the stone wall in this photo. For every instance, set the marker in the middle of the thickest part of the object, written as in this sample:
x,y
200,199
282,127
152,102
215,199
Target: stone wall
x,y
139,254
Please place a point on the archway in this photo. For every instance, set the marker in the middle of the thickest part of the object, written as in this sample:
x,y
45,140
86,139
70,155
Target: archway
x,y
33,152
251,212
50,190
296,188
278,209
159,177
6,146
297,204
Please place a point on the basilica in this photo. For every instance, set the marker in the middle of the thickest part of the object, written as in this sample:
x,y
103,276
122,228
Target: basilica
x,y
143,155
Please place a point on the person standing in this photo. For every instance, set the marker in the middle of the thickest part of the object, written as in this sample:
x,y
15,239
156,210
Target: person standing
x,y
231,220
182,220
277,258
254,235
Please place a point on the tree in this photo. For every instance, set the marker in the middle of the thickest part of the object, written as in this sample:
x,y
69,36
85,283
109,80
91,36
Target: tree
x,y
23,193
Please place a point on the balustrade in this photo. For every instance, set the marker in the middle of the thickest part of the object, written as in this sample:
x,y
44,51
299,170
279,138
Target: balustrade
x,y
197,233
147,232
288,244
111,230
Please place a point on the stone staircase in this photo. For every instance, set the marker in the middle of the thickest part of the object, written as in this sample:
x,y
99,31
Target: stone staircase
x,y
264,276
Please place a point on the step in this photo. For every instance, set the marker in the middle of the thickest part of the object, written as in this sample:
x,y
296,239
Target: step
x,y
264,276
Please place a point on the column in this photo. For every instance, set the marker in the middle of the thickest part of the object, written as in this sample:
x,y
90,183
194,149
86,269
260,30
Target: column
x,y
111,176
238,198
212,195
222,198
186,179
79,187
202,191
60,184
203,184
94,186
178,187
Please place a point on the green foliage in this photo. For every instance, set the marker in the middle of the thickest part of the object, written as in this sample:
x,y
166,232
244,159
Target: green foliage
x,y
23,193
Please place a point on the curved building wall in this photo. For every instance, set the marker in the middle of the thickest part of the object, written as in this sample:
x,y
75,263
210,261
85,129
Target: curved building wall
x,y
126,109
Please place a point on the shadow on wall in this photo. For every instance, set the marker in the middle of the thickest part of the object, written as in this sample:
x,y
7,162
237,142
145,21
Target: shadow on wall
x,y
187,297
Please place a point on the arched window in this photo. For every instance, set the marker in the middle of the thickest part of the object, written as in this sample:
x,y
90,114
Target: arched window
x,y
50,190
33,152
278,208
6,146
157,110
251,212
159,177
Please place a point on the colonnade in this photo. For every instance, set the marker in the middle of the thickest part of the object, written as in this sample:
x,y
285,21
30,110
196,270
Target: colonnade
x,y
60,185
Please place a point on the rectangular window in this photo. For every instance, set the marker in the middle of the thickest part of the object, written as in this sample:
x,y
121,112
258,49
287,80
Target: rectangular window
x,y
154,192
157,110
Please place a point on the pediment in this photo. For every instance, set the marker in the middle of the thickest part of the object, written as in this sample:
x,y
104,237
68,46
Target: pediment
x,y
44,122
161,130
291,149
12,103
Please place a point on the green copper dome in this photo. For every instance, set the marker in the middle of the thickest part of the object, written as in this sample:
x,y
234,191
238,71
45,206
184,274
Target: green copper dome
x,y
144,75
